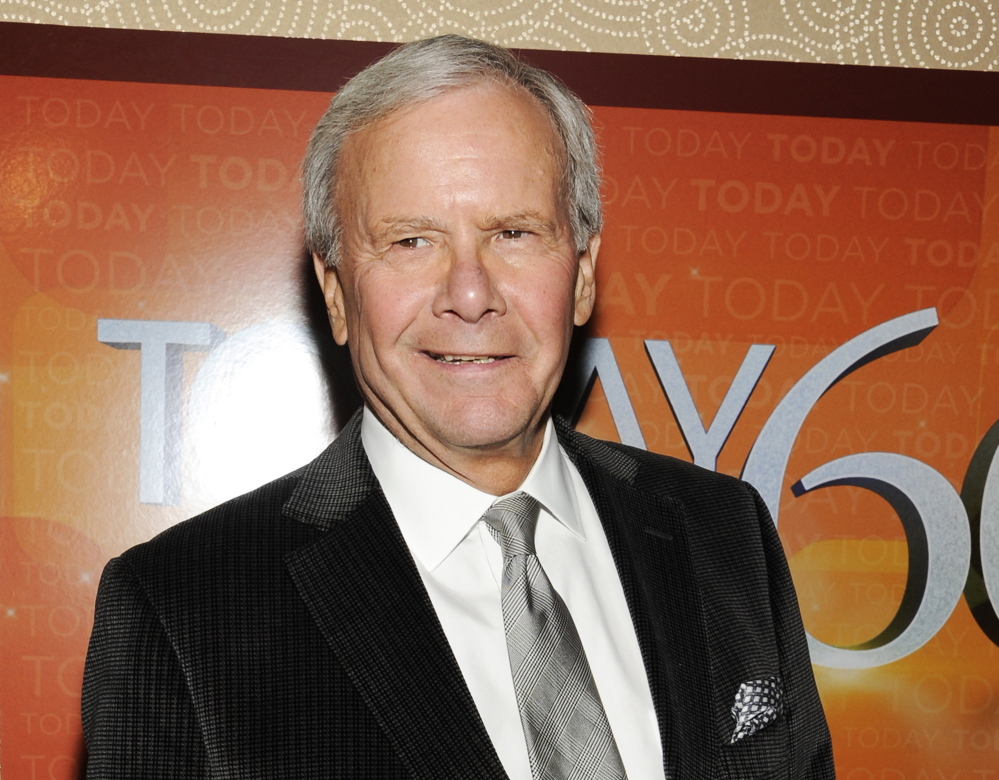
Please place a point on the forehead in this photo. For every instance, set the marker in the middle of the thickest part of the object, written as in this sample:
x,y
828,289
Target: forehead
x,y
503,119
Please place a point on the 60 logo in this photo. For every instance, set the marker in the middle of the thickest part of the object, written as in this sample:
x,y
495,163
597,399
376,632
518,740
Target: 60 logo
x,y
953,538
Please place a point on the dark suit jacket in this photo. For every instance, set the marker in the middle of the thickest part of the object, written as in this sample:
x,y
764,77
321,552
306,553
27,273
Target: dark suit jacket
x,y
287,633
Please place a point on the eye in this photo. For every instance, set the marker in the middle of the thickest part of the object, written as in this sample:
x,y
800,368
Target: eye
x,y
513,234
413,243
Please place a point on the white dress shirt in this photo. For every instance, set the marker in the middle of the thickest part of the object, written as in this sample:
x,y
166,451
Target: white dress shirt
x,y
462,568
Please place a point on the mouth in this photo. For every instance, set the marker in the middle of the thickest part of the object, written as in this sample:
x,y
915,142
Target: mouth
x,y
457,360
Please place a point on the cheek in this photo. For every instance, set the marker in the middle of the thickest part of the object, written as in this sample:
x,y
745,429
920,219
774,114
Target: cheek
x,y
549,317
551,299
385,306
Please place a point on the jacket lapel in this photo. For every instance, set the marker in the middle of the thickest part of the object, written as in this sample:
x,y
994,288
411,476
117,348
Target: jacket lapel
x,y
646,531
364,592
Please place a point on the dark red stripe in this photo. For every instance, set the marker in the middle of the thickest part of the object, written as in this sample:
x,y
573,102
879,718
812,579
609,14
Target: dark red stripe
x,y
642,81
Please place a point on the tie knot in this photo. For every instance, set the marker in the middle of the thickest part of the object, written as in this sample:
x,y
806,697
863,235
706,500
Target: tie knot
x,y
512,521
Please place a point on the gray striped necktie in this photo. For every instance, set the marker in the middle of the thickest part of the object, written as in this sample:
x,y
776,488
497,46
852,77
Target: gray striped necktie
x,y
564,722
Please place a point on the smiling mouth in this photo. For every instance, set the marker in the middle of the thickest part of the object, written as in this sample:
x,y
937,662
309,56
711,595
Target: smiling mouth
x,y
461,359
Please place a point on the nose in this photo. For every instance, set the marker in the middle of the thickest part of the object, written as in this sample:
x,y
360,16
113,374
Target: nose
x,y
469,290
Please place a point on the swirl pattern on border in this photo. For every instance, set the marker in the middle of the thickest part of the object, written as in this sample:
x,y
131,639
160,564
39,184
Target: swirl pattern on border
x,y
919,33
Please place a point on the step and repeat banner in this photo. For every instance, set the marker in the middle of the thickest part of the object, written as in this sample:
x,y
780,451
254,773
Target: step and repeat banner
x,y
808,302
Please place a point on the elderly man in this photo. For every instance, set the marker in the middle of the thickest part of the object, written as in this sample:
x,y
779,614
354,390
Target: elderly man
x,y
460,586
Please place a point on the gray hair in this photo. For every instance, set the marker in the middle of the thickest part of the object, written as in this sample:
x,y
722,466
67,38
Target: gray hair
x,y
418,72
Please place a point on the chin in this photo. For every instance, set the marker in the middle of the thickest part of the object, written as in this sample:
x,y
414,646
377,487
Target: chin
x,y
484,428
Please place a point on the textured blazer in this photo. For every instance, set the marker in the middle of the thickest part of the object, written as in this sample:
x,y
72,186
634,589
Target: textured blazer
x,y
287,633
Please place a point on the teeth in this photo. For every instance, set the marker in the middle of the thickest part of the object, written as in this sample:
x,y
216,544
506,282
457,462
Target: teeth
x,y
463,359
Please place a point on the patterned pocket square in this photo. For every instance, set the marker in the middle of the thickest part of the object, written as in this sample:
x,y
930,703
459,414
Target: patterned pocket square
x,y
757,704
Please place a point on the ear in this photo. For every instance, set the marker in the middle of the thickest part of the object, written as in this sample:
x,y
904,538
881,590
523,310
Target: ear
x,y
329,282
586,283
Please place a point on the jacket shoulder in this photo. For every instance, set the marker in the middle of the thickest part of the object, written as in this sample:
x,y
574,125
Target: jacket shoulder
x,y
244,517
270,520
220,564
653,472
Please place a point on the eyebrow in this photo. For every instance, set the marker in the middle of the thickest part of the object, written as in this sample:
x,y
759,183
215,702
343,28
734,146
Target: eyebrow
x,y
520,220
395,225
527,220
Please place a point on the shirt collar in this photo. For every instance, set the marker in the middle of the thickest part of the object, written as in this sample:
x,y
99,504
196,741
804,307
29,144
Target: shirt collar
x,y
436,510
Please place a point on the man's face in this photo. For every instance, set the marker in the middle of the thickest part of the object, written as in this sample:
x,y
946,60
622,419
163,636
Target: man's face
x,y
459,283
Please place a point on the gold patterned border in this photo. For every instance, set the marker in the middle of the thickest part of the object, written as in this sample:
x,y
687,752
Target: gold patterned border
x,y
917,33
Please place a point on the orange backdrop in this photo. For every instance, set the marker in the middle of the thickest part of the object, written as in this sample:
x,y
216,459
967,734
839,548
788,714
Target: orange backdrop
x,y
177,204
